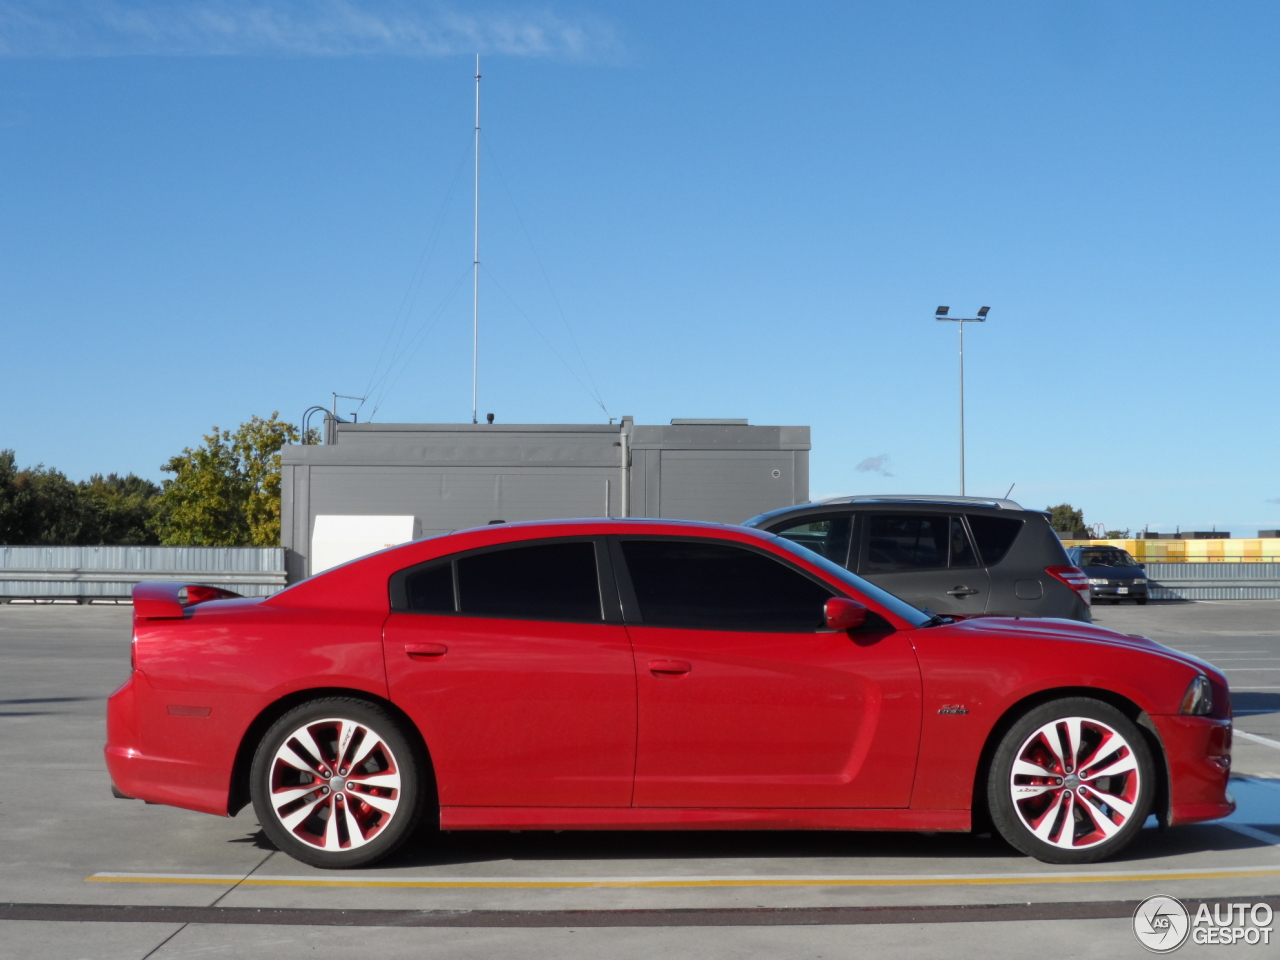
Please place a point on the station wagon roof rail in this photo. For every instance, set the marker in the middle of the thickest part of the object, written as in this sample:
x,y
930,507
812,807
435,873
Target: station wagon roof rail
x,y
921,498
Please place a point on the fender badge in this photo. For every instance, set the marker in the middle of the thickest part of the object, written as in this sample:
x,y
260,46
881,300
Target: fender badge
x,y
953,708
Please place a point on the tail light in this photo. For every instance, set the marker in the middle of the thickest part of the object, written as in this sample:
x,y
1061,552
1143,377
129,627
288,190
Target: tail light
x,y
1073,577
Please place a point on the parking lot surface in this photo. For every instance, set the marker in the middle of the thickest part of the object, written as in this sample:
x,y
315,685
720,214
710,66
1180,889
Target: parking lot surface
x,y
86,875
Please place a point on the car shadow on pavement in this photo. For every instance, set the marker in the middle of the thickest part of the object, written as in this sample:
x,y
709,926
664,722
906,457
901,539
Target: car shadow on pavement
x,y
257,839
433,848
1255,701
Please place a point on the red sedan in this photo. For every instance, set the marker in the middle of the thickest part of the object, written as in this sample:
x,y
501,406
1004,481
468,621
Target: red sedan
x,y
640,674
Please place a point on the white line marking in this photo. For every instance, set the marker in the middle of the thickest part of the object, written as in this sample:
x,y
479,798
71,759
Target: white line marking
x,y
1257,739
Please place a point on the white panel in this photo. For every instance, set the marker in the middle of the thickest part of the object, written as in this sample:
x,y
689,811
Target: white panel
x,y
338,539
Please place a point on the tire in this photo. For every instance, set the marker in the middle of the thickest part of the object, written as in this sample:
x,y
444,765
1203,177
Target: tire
x,y
320,815
1044,808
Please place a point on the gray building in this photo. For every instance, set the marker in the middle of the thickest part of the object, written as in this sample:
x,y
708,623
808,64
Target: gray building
x,y
439,477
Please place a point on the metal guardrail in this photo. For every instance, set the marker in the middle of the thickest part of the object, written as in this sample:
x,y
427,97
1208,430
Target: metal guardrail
x,y
1188,580
87,573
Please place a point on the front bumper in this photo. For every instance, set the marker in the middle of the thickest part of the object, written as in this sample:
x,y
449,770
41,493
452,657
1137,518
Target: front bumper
x,y
1118,591
1198,751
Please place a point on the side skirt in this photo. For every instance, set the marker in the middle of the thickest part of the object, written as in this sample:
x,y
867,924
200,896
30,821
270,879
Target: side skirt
x,y
667,818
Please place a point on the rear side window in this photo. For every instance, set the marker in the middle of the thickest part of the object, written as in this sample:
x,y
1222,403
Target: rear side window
x,y
714,586
538,581
430,589
897,543
553,581
826,536
994,535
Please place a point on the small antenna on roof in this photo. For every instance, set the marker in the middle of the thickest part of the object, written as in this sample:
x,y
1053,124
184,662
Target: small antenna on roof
x,y
1010,490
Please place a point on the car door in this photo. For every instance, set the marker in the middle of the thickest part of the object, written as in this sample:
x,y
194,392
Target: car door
x,y
926,559
745,699
514,664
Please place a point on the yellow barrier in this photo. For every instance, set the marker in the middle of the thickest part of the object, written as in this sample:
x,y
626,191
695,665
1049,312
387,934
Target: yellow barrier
x,y
1257,550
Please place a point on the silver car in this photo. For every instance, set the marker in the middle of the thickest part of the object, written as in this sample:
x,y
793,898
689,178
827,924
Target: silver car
x,y
956,556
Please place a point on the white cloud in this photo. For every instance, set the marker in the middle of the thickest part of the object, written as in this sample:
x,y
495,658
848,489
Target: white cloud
x,y
878,465
291,28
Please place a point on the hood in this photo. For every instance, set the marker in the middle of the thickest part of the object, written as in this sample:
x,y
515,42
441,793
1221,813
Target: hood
x,y
1052,629
1115,573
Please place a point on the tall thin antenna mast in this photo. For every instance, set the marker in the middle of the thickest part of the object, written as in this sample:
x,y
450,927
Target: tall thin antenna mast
x,y
475,292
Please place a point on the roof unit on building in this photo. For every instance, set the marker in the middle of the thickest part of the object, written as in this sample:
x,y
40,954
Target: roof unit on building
x,y
424,479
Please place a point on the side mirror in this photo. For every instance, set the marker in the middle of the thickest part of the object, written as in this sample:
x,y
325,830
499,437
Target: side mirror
x,y
844,614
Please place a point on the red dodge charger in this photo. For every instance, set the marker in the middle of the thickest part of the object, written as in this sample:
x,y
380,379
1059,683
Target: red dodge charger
x,y
647,674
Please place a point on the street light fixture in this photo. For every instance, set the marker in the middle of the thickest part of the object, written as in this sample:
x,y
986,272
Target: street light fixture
x,y
941,314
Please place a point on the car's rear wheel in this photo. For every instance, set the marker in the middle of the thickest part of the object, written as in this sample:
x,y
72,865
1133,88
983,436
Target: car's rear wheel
x,y
1071,782
336,783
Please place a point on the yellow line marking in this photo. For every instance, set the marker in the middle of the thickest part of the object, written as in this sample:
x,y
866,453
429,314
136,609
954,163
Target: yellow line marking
x,y
458,883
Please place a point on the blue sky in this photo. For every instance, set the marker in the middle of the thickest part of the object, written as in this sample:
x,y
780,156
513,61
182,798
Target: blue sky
x,y
218,209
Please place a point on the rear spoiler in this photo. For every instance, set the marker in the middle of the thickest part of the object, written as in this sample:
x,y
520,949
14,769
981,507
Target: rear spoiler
x,y
161,600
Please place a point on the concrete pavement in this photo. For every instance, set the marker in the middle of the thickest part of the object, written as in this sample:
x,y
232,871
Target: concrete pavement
x,y
59,826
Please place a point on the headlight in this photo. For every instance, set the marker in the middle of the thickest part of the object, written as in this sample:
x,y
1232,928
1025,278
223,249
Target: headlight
x,y
1198,700
1101,582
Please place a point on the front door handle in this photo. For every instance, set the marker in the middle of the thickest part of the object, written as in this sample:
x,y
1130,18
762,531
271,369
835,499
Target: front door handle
x,y
669,668
425,651
961,591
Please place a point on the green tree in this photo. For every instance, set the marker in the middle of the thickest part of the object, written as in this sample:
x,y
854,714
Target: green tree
x,y
1066,518
257,444
1116,535
117,510
226,493
39,505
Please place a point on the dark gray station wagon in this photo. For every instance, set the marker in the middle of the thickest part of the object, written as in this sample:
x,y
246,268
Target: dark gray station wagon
x,y
953,555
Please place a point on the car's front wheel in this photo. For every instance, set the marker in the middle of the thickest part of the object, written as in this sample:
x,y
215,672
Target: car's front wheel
x,y
336,783
1071,782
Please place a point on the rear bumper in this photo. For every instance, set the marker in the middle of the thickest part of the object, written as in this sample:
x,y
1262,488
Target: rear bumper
x,y
1198,750
137,775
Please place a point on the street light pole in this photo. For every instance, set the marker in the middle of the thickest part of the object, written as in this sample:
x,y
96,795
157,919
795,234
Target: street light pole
x,y
941,314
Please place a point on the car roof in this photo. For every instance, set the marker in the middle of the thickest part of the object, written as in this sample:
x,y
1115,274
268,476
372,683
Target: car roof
x,y
623,524
895,499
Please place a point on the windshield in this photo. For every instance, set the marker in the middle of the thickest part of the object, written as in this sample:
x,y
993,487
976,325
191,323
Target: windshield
x,y
899,608
1106,558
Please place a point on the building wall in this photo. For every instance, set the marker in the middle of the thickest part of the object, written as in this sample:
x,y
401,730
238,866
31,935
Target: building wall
x,y
454,476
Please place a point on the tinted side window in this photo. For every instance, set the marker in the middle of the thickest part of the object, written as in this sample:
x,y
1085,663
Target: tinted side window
x,y
962,554
714,586
551,581
995,535
911,542
826,536
430,590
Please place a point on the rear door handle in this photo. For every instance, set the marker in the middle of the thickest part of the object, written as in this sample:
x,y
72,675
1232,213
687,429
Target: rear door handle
x,y
961,591
425,651
669,668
